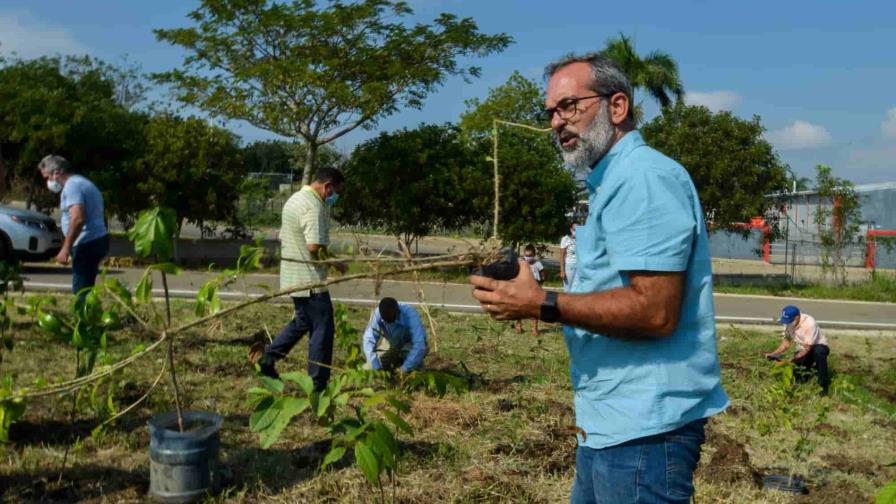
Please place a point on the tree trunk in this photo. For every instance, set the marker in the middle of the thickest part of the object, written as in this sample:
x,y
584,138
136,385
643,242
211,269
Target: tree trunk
x,y
310,161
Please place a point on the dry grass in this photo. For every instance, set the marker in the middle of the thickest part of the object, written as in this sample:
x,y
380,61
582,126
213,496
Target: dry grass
x,y
507,440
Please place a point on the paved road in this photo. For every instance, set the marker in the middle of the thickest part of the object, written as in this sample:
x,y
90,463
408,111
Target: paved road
x,y
457,297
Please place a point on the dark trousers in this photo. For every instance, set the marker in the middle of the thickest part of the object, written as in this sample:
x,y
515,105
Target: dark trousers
x,y
86,258
815,361
312,315
648,470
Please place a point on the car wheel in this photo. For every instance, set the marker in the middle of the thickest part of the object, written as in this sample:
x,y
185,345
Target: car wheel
x,y
5,248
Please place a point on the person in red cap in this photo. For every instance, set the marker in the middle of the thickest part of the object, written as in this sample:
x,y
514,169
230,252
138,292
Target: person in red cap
x,y
812,347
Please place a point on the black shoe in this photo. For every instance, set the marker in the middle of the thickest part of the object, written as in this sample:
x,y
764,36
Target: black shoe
x,y
269,371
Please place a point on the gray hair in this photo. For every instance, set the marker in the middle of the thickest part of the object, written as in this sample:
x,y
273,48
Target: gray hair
x,y
606,76
53,164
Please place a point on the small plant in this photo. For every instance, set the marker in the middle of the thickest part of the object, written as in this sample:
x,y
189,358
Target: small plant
x,y
838,225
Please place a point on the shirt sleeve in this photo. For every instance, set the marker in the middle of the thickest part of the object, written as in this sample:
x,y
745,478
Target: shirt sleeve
x,y
369,340
418,339
649,222
75,196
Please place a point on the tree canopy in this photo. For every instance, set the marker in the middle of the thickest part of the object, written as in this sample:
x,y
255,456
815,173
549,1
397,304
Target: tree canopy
x,y
656,73
536,191
411,181
315,73
733,168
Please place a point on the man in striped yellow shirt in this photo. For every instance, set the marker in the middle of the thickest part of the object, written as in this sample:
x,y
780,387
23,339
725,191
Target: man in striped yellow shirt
x,y
304,236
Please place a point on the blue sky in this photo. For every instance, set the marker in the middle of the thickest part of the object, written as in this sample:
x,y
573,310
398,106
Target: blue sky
x,y
821,75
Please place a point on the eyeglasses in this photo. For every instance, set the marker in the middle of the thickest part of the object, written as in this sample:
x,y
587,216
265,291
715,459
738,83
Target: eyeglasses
x,y
567,108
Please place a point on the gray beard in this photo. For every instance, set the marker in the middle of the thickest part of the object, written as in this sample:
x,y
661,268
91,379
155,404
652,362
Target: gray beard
x,y
594,143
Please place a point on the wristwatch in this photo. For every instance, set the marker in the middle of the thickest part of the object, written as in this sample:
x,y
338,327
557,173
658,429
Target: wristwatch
x,y
549,310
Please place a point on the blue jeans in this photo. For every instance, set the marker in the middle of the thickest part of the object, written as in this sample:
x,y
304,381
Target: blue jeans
x,y
646,470
313,315
86,258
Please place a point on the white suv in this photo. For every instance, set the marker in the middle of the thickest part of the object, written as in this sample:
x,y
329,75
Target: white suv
x,y
28,235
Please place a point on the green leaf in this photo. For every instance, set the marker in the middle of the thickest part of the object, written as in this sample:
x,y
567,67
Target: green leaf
x,y
887,494
143,292
116,286
398,404
334,455
49,323
301,379
265,413
153,233
323,402
376,399
167,268
368,463
399,422
271,384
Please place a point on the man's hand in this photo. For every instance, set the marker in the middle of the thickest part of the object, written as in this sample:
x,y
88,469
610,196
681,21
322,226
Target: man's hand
x,y
511,300
341,267
63,256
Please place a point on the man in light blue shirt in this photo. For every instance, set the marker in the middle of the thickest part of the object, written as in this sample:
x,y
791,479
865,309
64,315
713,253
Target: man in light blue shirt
x,y
83,221
639,320
394,338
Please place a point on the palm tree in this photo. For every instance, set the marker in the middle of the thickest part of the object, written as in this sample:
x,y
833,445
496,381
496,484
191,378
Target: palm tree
x,y
657,73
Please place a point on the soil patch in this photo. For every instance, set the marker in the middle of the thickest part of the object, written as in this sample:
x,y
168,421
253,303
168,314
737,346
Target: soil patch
x,y
850,465
834,493
730,463
554,454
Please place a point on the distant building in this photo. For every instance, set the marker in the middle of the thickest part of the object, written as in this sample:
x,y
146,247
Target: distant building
x,y
797,223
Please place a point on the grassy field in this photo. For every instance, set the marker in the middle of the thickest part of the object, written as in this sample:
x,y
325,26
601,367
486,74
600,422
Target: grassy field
x,y
507,440
880,288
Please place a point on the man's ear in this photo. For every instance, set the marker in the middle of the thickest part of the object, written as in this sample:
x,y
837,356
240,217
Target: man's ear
x,y
619,108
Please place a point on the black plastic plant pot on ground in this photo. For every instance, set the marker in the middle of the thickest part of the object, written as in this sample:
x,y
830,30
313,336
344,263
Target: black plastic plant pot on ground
x,y
183,466
785,483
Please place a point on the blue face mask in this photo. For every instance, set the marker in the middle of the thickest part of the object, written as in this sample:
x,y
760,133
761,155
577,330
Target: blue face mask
x,y
331,199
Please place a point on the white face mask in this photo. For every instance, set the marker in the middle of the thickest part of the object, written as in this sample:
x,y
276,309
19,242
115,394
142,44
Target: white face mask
x,y
54,186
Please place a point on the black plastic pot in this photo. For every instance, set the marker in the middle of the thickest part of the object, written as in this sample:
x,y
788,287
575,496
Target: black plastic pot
x,y
784,483
183,465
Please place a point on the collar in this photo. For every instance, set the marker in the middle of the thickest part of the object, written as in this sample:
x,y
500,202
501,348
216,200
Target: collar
x,y
629,142
309,188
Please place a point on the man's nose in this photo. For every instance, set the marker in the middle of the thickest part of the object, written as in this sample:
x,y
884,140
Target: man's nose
x,y
556,122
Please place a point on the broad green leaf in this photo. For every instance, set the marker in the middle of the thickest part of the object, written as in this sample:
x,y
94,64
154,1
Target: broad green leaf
x,y
384,446
292,406
376,399
49,323
399,422
263,416
153,233
143,292
323,403
271,384
334,455
301,379
367,462
116,286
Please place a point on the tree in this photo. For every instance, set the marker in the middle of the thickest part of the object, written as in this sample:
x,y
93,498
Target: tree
x,y
279,156
733,168
837,216
656,73
66,107
187,165
316,73
536,191
411,181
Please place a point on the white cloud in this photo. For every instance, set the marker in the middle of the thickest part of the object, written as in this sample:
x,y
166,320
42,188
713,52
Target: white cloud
x,y
888,127
800,135
27,38
713,100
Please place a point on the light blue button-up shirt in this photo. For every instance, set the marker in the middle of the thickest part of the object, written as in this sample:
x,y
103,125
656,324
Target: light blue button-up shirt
x,y
644,214
407,328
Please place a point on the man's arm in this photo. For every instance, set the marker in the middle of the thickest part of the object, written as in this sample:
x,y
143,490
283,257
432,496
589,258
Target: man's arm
x,y
563,263
320,253
75,225
785,344
802,353
369,341
418,340
648,308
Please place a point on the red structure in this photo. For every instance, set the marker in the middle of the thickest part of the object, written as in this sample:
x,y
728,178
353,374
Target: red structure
x,y
760,224
871,244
